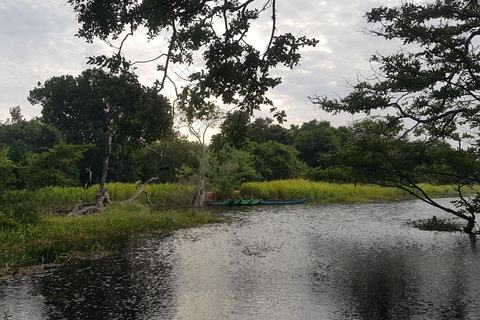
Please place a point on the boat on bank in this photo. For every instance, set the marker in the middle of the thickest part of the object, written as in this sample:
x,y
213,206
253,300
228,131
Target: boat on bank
x,y
283,202
253,202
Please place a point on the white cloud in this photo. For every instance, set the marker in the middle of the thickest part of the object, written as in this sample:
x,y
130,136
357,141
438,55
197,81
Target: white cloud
x,y
37,42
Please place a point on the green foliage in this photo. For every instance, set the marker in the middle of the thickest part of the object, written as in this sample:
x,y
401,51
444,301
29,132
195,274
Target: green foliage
x,y
315,138
234,170
16,214
7,177
65,198
237,129
431,82
378,154
275,161
57,167
94,105
25,137
323,192
436,224
233,70
232,131
318,192
162,159
263,130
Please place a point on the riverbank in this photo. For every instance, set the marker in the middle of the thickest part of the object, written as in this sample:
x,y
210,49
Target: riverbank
x,y
19,246
54,226
325,193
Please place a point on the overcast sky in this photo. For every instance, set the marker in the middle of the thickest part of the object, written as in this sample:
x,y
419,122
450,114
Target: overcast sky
x,y
37,42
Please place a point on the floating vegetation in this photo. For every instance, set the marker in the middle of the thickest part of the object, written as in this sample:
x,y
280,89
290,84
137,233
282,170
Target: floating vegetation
x,y
436,224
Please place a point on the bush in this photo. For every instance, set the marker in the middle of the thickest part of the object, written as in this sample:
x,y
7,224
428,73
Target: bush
x,y
14,215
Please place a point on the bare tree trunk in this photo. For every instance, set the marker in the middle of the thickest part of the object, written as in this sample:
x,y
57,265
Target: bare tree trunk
x,y
199,196
141,190
102,196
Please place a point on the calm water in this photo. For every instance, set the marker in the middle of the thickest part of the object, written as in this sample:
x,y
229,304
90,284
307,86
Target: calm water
x,y
358,261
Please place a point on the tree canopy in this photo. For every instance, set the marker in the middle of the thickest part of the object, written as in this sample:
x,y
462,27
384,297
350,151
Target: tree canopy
x,y
429,90
433,81
94,105
235,69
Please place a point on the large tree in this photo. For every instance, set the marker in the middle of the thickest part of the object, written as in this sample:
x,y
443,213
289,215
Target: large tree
x,y
24,137
112,111
226,34
315,138
276,161
431,87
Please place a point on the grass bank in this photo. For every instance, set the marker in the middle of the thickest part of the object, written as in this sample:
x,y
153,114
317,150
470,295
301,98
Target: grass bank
x,y
53,204
16,244
55,199
322,192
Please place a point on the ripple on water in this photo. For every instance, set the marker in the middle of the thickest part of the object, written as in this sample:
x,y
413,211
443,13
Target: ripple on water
x,y
351,261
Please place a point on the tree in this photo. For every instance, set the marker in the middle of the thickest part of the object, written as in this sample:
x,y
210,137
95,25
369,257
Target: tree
x,y
162,159
276,161
16,114
263,130
232,131
431,86
12,213
313,139
236,168
56,167
234,70
198,122
112,111
25,137
7,177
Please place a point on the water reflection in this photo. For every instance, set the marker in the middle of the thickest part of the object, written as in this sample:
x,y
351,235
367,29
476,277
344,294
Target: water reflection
x,y
358,261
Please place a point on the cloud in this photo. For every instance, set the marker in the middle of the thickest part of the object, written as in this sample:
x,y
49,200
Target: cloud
x,y
37,42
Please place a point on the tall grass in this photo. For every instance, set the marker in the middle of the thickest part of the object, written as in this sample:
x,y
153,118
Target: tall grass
x,y
65,198
116,220
322,192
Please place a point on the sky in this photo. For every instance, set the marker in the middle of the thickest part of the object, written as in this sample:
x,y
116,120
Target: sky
x,y
37,42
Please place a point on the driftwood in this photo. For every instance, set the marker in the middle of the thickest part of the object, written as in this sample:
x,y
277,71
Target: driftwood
x,y
83,209
77,212
141,190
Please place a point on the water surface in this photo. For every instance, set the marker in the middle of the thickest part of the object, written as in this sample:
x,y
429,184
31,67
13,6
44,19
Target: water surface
x,y
352,261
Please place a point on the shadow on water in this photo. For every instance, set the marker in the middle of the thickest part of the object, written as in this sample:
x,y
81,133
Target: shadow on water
x,y
355,261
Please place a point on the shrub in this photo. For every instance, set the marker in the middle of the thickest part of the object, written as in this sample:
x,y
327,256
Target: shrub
x,y
14,215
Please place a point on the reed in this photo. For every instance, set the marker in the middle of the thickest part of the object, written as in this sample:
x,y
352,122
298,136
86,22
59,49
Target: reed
x,y
54,199
323,192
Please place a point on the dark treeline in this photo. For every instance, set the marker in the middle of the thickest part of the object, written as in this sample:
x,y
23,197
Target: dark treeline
x,y
41,153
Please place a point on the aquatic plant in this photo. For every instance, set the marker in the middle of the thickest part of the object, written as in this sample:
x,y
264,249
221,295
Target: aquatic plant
x,y
436,224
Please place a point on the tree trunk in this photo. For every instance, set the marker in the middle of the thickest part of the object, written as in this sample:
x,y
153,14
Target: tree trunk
x,y
141,190
199,196
102,196
470,225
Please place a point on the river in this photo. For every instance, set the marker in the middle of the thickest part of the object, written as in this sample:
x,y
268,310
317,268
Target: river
x,y
348,261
